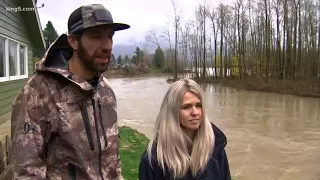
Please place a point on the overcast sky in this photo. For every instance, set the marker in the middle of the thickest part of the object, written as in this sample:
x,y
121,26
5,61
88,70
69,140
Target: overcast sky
x,y
141,15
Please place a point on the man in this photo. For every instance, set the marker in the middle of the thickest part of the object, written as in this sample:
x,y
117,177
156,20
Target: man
x,y
65,118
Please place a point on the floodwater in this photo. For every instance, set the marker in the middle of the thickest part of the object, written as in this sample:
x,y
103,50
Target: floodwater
x,y
270,136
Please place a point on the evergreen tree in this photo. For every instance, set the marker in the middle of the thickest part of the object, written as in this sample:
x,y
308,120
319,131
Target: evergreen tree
x,y
119,60
138,57
126,59
50,34
159,58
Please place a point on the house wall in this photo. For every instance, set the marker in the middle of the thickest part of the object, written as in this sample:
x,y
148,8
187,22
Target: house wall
x,y
12,26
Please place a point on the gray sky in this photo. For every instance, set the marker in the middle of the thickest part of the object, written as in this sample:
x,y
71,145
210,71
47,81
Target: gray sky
x,y
141,15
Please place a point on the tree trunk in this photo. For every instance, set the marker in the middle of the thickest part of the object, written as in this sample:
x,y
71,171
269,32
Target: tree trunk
x,y
318,75
204,43
267,41
299,45
295,40
221,40
280,74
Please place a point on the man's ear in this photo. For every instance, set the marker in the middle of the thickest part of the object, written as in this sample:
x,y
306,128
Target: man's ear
x,y
73,41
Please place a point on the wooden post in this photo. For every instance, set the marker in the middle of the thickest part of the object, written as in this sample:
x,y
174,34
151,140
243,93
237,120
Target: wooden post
x,y
2,165
8,145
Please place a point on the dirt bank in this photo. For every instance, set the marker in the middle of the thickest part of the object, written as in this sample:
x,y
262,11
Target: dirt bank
x,y
298,88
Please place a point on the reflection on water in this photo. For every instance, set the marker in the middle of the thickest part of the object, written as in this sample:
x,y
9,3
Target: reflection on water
x,y
270,136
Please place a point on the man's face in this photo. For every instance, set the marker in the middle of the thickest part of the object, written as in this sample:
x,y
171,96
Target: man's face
x,y
95,48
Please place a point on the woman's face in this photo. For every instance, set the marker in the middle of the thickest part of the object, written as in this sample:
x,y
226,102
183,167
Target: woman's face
x,y
190,112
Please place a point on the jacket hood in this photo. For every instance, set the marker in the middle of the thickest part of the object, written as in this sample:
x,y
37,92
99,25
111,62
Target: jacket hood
x,y
55,60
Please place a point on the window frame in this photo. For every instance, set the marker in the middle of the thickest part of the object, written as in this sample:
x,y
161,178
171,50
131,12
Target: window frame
x,y
7,76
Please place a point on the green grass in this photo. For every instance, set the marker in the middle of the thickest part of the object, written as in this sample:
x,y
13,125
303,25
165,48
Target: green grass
x,y
132,146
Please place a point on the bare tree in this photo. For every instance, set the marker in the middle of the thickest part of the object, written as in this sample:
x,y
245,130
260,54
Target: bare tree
x,y
166,35
276,6
152,37
221,24
269,40
318,75
213,17
239,14
177,19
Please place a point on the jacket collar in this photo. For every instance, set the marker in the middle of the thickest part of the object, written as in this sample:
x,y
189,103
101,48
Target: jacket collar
x,y
220,139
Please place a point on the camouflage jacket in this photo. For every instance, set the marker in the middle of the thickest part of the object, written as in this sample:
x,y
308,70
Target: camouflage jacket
x,y
64,127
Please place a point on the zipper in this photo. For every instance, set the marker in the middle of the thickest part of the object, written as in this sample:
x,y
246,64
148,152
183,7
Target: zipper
x,y
72,172
102,125
98,136
86,122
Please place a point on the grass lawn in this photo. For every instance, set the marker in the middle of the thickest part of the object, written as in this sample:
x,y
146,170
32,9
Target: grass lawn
x,y
132,146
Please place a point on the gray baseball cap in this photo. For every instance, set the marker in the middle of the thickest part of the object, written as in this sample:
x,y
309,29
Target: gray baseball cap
x,y
92,15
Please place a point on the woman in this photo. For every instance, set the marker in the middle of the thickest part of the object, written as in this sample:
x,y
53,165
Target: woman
x,y
185,144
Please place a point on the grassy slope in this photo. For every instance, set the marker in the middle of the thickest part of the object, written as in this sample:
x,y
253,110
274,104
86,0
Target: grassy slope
x,y
132,146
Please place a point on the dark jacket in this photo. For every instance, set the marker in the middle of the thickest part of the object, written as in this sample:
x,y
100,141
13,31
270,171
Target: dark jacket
x,y
216,169
64,127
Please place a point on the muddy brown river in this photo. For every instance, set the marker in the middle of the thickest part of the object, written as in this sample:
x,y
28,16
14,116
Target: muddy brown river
x,y
270,136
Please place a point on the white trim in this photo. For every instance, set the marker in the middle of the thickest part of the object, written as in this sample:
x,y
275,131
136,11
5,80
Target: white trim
x,y
18,60
7,37
7,57
39,24
26,64
6,62
4,79
12,78
17,76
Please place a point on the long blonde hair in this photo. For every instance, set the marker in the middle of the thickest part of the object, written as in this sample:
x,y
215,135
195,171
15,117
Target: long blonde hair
x,y
171,141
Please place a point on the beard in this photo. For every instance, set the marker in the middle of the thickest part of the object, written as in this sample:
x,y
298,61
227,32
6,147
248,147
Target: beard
x,y
89,62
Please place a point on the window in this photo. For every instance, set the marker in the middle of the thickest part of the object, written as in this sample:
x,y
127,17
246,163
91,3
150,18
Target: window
x,y
13,71
23,60
13,60
2,58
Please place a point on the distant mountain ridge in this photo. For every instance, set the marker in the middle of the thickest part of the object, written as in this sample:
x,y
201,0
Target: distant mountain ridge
x,y
128,49
124,49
